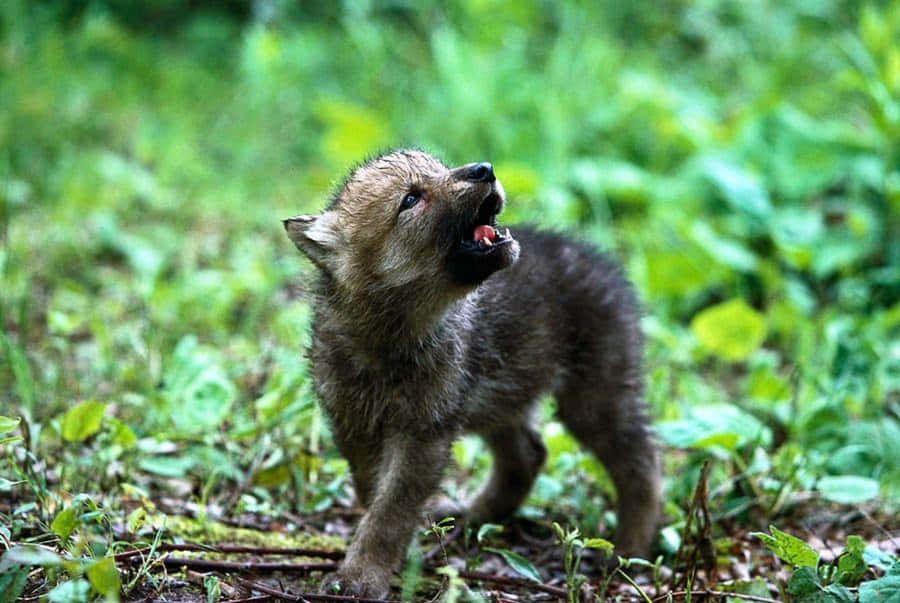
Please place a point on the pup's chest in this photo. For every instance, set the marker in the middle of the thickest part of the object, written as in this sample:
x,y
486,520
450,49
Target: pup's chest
x,y
373,390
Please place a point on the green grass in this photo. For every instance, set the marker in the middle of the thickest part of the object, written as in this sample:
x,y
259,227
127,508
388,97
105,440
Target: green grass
x,y
741,158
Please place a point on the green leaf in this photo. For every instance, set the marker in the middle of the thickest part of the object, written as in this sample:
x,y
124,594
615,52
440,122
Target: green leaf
x,y
82,421
136,519
848,489
884,590
167,466
598,543
12,582
27,555
64,523
8,423
713,426
741,189
213,589
122,434
838,594
73,591
788,548
878,558
521,565
104,577
756,587
731,330
724,250
486,529
804,581
851,567
806,586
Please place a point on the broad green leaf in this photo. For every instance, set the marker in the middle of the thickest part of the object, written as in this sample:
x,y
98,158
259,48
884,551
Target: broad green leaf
x,y
724,250
167,466
837,593
8,423
884,590
27,555
521,565
789,549
731,330
806,586
73,591
804,582
677,273
104,577
740,188
82,421
848,489
878,558
64,523
715,425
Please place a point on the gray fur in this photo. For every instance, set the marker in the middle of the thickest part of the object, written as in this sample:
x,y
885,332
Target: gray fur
x,y
407,355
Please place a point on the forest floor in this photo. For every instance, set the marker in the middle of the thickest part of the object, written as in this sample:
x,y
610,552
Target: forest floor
x,y
194,553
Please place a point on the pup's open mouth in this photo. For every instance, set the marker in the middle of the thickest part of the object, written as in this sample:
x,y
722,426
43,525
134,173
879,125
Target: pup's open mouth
x,y
482,248
483,235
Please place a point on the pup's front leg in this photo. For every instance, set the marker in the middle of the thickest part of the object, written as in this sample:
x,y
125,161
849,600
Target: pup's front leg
x,y
409,472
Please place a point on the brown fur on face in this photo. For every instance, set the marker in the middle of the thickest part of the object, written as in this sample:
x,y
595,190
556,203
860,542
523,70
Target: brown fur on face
x,y
424,330
365,231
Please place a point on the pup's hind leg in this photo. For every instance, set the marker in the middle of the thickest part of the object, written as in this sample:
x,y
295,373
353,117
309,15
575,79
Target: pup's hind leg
x,y
613,424
517,453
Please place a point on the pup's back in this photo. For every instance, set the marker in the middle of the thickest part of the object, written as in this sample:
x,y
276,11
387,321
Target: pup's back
x,y
564,320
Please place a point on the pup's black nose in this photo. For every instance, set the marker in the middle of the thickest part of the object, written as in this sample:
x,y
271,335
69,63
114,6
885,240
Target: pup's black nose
x,y
481,172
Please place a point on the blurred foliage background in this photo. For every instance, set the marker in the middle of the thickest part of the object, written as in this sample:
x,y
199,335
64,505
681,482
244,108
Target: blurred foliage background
x,y
742,158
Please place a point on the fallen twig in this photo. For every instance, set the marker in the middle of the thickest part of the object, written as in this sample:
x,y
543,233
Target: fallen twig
x,y
232,548
240,566
510,581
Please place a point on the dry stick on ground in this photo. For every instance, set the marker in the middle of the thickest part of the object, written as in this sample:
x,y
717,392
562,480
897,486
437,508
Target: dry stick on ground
x,y
304,568
263,566
233,548
520,582
242,566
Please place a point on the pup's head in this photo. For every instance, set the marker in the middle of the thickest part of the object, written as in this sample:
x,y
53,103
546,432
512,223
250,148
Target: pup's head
x,y
404,218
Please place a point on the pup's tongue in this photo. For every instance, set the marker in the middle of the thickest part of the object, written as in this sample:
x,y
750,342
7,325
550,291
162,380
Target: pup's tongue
x,y
485,232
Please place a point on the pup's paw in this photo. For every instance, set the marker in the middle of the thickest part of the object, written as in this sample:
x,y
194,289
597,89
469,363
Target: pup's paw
x,y
365,582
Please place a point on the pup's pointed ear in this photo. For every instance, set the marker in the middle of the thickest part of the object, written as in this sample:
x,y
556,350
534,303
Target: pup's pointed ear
x,y
316,236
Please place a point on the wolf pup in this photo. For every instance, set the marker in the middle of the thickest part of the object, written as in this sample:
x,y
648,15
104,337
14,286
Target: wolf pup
x,y
431,321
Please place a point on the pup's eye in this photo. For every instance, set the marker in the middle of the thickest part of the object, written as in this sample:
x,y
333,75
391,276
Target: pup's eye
x,y
410,200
